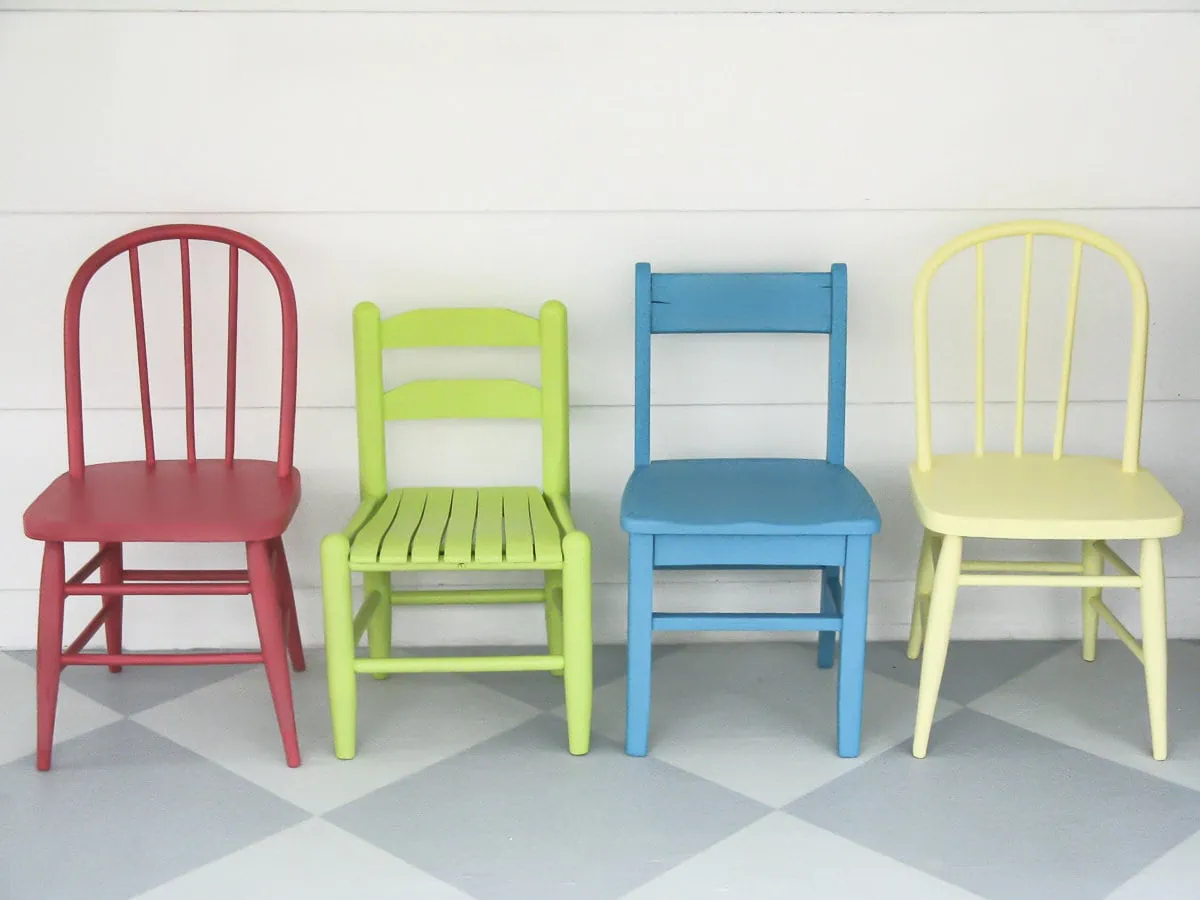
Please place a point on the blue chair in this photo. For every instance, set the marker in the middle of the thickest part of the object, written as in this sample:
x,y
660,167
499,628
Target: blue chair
x,y
748,513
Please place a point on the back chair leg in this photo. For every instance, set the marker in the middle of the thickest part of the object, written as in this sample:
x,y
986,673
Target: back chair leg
x,y
1154,643
339,643
264,592
51,599
1093,564
937,639
287,603
924,588
554,616
827,640
576,593
852,654
379,628
640,643
112,570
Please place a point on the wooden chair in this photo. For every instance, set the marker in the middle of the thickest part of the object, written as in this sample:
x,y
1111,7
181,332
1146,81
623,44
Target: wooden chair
x,y
415,529
247,501
748,513
1037,496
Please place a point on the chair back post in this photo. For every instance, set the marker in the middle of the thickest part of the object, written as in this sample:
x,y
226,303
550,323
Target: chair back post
x,y
835,428
183,233
641,377
368,401
556,449
1029,229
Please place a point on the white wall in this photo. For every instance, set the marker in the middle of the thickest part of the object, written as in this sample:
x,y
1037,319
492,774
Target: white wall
x,y
504,152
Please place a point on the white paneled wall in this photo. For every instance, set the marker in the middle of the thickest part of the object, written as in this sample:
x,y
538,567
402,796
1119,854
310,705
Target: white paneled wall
x,y
453,152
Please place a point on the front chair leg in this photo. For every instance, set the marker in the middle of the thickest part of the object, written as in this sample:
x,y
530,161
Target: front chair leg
x,y
577,640
640,643
852,655
51,598
937,639
264,592
112,571
1154,643
379,627
339,643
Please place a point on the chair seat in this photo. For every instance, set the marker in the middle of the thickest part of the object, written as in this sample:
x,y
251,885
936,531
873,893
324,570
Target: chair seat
x,y
1037,497
746,496
459,528
127,501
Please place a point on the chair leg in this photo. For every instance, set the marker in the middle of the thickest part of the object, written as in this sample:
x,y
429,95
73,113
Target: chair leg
x,y
576,624
379,628
1154,643
640,642
937,639
827,640
51,599
554,616
1093,564
852,653
339,643
264,592
113,570
920,612
287,601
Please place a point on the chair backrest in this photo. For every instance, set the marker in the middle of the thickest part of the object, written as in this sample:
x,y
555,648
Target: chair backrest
x,y
764,302
1029,229
129,245
476,398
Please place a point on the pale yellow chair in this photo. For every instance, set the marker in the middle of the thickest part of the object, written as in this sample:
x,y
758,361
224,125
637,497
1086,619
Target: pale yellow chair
x,y
1038,496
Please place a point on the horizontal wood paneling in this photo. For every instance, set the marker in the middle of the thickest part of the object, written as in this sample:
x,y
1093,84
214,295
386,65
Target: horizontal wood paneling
x,y
262,112
403,261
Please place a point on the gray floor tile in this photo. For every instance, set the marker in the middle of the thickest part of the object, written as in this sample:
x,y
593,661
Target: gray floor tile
x,y
1007,814
137,688
973,668
515,818
122,811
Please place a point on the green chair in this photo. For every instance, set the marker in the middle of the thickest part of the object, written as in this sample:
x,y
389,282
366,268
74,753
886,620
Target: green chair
x,y
415,529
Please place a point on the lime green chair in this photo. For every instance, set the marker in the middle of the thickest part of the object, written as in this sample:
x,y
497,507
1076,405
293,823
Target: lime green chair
x,y
415,529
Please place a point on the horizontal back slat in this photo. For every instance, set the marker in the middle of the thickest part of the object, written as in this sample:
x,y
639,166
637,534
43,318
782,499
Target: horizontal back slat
x,y
728,303
460,328
463,399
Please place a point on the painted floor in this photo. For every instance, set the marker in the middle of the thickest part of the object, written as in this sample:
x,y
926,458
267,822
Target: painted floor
x,y
169,784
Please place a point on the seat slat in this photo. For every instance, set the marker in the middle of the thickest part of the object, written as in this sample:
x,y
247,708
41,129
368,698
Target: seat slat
x,y
460,533
427,542
367,543
547,541
489,526
518,533
398,540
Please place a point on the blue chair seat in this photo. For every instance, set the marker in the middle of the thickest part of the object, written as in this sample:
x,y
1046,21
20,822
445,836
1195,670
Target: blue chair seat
x,y
746,496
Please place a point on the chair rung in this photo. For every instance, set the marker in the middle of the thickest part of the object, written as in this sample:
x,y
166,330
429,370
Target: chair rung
x,y
200,575
451,597
160,659
1050,580
157,589
745,622
418,664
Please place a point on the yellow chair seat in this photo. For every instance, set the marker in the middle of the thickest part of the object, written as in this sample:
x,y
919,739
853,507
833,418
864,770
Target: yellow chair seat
x,y
1034,496
446,528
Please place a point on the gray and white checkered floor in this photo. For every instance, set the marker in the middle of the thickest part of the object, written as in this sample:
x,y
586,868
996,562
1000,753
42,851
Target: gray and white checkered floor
x,y
169,784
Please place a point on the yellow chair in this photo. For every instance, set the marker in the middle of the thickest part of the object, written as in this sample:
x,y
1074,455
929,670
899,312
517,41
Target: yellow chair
x,y
1038,496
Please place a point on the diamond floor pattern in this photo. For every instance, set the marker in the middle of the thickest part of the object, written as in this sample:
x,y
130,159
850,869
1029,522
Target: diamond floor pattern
x,y
171,785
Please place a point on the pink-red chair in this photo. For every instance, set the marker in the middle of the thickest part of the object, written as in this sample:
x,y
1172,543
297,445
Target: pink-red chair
x,y
248,501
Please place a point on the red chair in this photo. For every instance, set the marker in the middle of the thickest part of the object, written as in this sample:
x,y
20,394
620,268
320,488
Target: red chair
x,y
248,501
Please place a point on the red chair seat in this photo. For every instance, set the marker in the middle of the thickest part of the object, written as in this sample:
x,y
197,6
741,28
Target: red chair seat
x,y
174,501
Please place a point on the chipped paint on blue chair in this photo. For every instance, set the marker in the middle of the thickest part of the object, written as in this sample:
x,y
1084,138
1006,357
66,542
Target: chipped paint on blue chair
x,y
748,513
